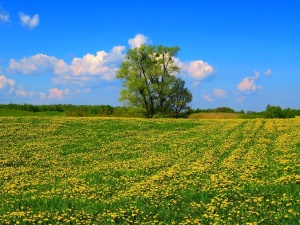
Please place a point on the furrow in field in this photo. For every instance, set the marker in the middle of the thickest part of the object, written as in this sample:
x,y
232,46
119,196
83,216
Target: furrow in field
x,y
187,161
243,162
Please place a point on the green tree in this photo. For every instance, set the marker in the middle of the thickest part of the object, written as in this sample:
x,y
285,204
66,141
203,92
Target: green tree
x,y
273,112
288,113
180,97
148,77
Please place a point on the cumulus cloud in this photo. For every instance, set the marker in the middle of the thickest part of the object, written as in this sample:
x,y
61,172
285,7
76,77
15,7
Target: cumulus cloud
x,y
206,97
220,93
56,93
30,22
268,72
4,81
248,85
197,70
4,16
37,64
137,41
102,65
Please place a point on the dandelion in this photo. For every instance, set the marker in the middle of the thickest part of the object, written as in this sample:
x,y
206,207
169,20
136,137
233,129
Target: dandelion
x,y
105,170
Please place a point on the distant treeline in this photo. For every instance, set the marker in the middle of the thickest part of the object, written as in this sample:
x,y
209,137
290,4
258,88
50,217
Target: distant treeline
x,y
278,112
270,112
85,110
78,110
121,111
219,109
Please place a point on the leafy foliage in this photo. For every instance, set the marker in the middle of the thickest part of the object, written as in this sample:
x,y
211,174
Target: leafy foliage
x,y
278,112
273,112
148,80
179,97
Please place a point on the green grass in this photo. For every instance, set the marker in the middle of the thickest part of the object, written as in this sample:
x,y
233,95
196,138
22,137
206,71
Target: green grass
x,y
20,113
246,116
220,115
64,170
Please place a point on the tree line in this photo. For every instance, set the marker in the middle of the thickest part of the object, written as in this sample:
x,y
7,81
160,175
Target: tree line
x,y
85,110
278,112
218,109
123,111
77,110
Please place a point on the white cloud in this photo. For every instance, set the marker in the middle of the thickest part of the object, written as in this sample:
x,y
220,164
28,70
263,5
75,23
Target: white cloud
x,y
59,66
198,70
56,93
268,72
248,84
89,64
103,65
206,97
4,81
24,93
70,79
17,89
30,22
116,54
220,93
21,93
37,64
4,16
137,41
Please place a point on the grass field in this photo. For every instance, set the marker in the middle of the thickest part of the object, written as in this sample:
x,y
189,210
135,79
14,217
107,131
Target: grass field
x,y
19,113
216,115
221,115
62,170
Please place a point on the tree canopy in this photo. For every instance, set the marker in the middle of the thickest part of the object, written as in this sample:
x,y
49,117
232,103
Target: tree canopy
x,y
148,74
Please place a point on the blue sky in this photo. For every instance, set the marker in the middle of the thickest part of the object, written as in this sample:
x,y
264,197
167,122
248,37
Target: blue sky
x,y
239,54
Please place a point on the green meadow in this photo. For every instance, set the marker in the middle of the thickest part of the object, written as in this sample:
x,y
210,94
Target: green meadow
x,y
92,170
21,113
